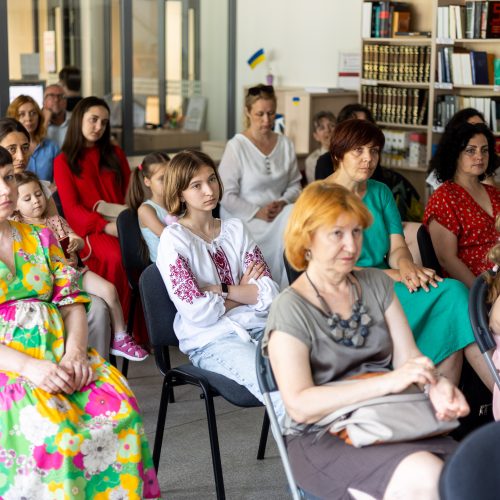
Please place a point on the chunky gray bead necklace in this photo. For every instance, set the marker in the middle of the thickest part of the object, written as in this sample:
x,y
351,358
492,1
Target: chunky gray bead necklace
x,y
350,332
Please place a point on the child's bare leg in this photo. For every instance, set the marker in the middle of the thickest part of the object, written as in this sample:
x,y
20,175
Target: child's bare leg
x,y
97,285
123,344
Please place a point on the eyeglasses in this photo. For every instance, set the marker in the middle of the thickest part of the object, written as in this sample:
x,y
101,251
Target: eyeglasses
x,y
55,96
257,90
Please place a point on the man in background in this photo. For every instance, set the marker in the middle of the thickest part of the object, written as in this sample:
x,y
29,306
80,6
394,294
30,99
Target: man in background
x,y
55,114
70,79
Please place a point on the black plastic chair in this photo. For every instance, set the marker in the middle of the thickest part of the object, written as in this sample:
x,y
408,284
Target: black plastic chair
x,y
291,273
135,260
160,312
426,249
479,318
472,471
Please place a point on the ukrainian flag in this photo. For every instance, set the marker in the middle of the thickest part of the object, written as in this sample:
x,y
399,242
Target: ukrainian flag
x,y
257,58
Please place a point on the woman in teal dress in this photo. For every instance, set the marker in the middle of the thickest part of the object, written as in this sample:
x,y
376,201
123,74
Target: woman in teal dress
x,y
69,424
436,309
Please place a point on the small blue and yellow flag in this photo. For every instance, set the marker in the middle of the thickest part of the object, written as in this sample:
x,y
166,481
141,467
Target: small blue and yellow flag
x,y
256,58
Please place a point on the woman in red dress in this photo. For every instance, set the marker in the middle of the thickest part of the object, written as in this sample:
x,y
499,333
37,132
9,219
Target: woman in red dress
x,y
460,215
88,170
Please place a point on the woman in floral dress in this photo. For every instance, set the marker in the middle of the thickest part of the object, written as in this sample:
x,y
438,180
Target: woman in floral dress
x,y
69,424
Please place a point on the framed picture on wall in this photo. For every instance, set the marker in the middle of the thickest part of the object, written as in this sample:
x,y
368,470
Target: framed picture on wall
x,y
195,114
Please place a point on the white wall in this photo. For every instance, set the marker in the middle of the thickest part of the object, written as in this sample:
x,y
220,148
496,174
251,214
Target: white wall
x,y
302,40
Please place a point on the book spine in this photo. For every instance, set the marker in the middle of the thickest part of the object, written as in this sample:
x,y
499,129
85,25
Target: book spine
x,y
493,23
477,19
469,19
384,16
484,19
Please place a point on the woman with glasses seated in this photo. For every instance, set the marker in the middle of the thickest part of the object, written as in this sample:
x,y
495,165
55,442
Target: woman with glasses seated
x,y
461,213
261,177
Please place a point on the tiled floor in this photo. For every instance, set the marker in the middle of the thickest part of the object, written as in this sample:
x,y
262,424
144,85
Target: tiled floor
x,y
185,467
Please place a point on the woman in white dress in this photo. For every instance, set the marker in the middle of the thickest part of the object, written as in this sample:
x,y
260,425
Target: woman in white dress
x,y
261,178
214,273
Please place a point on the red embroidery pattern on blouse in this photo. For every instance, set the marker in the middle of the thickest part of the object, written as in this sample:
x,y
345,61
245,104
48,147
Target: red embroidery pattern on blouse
x,y
256,256
222,265
183,281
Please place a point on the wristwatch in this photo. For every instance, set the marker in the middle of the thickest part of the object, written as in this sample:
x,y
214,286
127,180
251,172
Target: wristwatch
x,y
225,290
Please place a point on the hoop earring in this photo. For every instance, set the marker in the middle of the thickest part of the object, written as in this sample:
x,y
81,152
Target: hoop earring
x,y
308,254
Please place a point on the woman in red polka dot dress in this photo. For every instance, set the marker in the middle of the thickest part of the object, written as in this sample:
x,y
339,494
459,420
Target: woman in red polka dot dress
x,y
460,215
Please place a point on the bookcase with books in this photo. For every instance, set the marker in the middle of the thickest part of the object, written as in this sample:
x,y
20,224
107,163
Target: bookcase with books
x,y
423,60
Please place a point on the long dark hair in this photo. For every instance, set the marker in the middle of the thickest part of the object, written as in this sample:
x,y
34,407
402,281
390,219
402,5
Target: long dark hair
x,y
453,142
74,143
138,192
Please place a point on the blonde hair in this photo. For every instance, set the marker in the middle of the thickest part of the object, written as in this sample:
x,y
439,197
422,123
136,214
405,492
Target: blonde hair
x,y
182,168
494,257
13,112
319,205
256,93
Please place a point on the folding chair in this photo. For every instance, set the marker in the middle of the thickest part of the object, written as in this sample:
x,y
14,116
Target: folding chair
x,y
472,471
134,260
267,384
160,312
479,318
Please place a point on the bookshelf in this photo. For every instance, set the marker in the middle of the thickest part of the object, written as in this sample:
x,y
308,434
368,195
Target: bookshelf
x,y
422,76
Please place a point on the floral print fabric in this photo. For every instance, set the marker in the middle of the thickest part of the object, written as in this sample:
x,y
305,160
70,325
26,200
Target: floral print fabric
x,y
90,444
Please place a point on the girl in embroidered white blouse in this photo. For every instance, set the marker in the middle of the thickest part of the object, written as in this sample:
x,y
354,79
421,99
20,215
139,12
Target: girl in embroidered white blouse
x,y
214,273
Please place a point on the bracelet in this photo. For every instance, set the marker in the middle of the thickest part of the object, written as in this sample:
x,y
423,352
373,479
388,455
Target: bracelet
x,y
225,290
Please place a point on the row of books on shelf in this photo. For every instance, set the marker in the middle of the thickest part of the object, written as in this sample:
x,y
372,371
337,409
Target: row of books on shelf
x,y
385,19
395,104
462,67
404,149
447,105
397,63
475,19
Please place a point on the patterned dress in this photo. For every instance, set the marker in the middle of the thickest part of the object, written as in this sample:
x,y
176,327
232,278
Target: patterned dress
x,y
90,444
455,209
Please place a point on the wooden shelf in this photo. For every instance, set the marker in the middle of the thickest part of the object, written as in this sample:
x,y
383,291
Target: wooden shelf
x,y
402,125
413,85
404,40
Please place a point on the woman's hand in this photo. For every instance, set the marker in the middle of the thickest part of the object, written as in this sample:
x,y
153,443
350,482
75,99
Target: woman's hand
x,y
419,370
75,243
48,376
76,365
270,211
447,400
217,289
414,277
254,271
111,229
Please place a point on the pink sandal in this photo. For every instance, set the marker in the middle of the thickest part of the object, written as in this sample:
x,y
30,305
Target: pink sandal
x,y
126,347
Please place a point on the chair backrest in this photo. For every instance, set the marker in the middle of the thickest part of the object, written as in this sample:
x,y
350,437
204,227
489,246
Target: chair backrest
x,y
132,246
427,253
159,312
472,471
291,273
265,376
479,313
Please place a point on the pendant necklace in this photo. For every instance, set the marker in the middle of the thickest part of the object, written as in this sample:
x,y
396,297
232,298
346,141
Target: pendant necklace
x,y
351,332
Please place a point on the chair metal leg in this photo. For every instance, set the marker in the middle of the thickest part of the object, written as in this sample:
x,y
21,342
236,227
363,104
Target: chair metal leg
x,y
112,360
263,436
125,367
160,423
214,444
